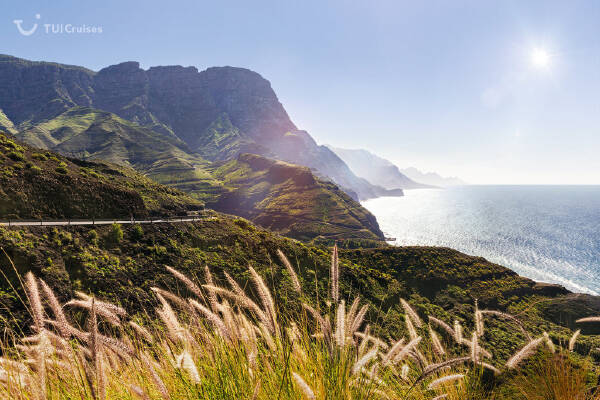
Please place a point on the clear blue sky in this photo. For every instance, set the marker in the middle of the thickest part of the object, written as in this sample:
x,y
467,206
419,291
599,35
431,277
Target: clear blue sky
x,y
441,85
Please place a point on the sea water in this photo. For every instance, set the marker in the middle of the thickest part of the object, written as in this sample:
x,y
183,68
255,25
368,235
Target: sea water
x,y
546,233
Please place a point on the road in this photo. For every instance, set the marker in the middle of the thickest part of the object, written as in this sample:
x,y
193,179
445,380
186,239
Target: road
x,y
168,220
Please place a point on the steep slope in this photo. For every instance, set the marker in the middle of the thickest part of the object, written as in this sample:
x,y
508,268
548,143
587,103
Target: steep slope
x,y
219,112
91,134
289,199
376,170
432,178
75,258
6,124
36,184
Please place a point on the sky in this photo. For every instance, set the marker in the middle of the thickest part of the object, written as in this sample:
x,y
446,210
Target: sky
x,y
502,92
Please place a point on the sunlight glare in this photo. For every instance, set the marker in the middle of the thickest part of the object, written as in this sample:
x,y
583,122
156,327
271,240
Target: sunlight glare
x,y
540,58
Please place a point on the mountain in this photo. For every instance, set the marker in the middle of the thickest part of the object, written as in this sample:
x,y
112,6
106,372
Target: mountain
x,y
376,170
38,184
432,178
217,113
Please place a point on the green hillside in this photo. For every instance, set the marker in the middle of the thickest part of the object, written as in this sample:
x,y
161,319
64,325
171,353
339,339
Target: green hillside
x,y
39,184
86,133
6,124
285,198
289,199
439,282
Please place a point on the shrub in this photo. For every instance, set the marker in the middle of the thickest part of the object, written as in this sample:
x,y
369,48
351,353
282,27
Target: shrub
x,y
39,156
244,224
115,236
16,156
137,233
62,168
93,237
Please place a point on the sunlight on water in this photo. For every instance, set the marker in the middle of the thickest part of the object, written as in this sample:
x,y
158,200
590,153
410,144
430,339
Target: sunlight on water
x,y
546,233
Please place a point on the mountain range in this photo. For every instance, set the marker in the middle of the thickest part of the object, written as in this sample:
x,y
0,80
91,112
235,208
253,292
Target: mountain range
x,y
384,173
376,170
432,178
194,131
214,114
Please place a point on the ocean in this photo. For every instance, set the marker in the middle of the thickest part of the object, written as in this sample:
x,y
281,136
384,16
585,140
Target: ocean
x,y
546,233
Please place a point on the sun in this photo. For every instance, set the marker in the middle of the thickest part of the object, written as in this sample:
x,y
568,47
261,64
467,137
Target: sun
x,y
540,58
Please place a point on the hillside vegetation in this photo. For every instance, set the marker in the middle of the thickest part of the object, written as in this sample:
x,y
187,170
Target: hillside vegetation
x,y
283,197
232,341
289,199
123,268
39,184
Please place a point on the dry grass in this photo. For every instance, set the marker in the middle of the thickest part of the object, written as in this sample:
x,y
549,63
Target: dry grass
x,y
223,344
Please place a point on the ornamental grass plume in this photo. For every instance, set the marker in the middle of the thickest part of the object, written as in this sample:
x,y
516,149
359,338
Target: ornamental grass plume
x,y
290,269
444,379
525,352
306,390
573,339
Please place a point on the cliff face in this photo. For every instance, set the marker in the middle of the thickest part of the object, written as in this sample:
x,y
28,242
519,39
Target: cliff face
x,y
34,91
218,113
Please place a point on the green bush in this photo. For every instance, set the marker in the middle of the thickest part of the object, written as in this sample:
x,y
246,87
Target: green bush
x,y
138,232
39,156
93,236
15,156
115,236
62,168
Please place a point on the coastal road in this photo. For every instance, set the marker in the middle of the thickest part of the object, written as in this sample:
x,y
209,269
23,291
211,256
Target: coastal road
x,y
168,220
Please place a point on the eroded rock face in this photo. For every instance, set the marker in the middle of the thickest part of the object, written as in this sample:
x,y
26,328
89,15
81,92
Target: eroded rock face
x,y
36,91
219,112
123,89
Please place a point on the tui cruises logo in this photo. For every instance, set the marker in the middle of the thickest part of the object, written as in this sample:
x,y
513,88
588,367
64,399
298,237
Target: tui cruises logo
x,y
57,28
24,32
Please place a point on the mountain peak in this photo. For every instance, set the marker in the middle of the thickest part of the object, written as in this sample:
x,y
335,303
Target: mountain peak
x,y
124,67
173,69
